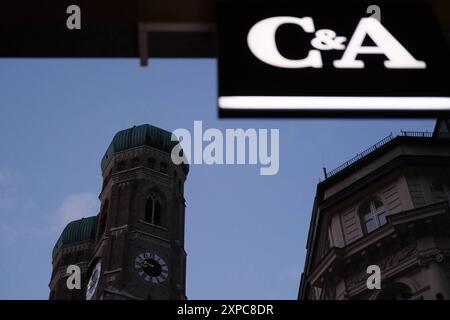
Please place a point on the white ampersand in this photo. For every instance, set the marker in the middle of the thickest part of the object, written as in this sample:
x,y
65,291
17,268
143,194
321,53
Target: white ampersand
x,y
326,40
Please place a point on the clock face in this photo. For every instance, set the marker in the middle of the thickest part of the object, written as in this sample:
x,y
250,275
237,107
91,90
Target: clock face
x,y
93,281
151,267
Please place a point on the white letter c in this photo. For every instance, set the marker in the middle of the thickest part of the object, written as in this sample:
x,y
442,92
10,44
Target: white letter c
x,y
262,43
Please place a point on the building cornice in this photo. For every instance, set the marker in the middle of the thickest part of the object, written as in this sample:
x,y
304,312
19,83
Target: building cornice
x,y
397,226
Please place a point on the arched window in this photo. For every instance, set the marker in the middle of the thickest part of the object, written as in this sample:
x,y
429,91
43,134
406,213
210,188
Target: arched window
x,y
373,215
103,219
153,212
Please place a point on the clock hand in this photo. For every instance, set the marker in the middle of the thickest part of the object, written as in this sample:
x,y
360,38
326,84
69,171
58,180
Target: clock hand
x,y
147,264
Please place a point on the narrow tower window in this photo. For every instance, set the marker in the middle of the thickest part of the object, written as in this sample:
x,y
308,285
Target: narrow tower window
x,y
153,210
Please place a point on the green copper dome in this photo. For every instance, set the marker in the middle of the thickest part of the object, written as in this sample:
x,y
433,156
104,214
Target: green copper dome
x,y
139,136
75,231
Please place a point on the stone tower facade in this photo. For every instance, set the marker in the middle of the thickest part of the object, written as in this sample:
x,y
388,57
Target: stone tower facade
x,y
135,245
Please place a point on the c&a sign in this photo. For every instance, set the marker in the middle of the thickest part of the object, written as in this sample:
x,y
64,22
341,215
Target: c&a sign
x,y
278,57
262,43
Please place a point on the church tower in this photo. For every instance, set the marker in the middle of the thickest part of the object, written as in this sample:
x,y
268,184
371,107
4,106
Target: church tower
x,y
137,243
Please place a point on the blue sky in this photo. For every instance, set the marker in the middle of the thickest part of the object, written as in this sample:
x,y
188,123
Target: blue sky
x,y
245,233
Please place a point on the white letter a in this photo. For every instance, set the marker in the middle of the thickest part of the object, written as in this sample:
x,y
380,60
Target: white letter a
x,y
74,20
374,280
398,56
74,280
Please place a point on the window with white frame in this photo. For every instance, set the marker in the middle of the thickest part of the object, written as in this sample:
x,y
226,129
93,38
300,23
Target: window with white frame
x,y
373,215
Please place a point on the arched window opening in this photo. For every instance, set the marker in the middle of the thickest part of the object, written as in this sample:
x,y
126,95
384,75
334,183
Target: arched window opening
x,y
373,215
153,210
149,210
157,213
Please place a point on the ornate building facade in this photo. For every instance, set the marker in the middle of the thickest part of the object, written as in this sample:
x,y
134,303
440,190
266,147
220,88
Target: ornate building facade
x,y
388,207
134,247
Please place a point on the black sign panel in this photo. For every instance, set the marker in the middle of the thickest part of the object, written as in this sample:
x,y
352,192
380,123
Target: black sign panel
x,y
331,58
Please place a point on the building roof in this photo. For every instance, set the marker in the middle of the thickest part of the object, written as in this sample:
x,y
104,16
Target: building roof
x,y
76,231
139,136
441,130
